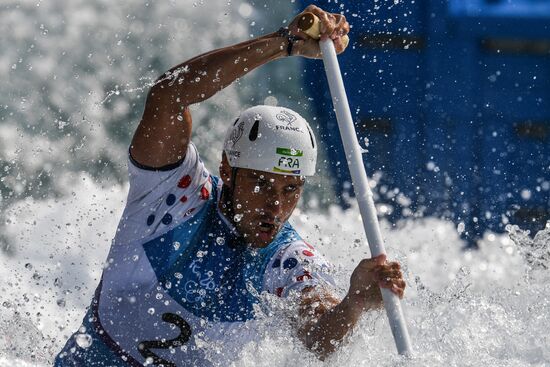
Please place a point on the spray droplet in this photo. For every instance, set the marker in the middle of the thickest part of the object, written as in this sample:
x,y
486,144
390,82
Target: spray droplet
x,y
151,311
83,340
256,189
238,217
220,240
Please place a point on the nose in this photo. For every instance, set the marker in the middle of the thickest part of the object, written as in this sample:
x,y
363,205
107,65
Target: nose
x,y
274,204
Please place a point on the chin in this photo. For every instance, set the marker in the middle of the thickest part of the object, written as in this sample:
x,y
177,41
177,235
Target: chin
x,y
258,243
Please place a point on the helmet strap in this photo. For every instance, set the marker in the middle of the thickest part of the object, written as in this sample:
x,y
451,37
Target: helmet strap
x,y
228,195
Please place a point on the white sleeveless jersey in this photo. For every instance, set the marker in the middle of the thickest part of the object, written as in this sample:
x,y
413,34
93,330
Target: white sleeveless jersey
x,y
179,283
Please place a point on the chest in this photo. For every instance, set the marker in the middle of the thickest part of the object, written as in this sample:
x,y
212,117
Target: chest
x,y
209,271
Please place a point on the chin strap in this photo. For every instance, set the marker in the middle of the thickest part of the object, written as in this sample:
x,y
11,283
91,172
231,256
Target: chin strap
x,y
228,193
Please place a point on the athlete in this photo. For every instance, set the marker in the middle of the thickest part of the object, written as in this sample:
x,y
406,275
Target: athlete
x,y
195,255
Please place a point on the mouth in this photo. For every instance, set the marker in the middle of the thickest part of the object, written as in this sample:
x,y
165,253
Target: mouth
x,y
266,226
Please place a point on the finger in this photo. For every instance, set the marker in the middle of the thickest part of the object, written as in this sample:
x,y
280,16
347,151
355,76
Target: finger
x,y
327,25
394,265
386,267
381,259
340,21
339,45
397,291
385,273
401,284
311,8
326,19
346,27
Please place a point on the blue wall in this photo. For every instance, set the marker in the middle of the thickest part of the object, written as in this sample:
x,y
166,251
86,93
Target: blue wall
x,y
453,97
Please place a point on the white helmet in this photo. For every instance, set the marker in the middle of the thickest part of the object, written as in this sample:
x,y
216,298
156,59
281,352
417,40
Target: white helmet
x,y
272,139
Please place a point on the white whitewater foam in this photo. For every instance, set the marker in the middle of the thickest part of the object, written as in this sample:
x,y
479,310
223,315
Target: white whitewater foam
x,y
486,307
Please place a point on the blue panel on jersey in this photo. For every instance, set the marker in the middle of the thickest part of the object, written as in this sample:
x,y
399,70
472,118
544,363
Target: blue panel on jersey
x,y
209,270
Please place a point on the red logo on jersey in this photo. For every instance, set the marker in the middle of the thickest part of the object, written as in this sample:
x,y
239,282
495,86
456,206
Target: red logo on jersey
x,y
184,182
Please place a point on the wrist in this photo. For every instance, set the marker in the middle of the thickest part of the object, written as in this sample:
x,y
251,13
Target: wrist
x,y
270,46
288,39
359,302
354,304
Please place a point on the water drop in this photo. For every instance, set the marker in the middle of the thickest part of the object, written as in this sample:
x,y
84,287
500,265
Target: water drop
x,y
238,217
151,311
83,340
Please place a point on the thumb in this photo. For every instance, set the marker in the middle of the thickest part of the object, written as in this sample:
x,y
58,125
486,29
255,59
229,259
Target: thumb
x,y
380,259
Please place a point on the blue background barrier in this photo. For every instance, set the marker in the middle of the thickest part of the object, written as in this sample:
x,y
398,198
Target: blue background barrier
x,y
453,97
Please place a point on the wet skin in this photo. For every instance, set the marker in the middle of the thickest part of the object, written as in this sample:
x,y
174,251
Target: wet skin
x,y
262,202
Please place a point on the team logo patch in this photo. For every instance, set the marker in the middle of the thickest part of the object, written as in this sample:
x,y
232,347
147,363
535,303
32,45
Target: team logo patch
x,y
237,133
290,152
286,116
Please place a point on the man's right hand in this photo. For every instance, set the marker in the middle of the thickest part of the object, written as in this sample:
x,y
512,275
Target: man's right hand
x,y
333,26
367,278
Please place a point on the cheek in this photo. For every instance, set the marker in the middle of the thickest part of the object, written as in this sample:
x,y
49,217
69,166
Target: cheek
x,y
291,200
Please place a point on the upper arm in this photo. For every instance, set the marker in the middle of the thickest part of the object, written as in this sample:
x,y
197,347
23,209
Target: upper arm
x,y
164,132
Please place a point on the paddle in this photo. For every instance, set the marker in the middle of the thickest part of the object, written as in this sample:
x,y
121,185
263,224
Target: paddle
x,y
310,24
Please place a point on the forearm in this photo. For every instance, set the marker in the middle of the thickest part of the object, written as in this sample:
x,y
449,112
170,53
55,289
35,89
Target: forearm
x,y
202,76
333,325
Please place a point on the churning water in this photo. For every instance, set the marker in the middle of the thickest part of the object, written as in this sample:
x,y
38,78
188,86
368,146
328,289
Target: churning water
x,y
74,79
486,307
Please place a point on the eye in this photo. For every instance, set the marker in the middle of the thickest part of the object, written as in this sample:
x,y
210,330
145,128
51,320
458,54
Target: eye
x,y
291,188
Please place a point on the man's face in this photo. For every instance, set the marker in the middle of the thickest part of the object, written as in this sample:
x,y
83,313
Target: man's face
x,y
262,202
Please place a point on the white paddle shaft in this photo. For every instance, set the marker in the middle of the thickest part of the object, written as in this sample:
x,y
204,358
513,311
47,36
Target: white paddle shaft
x,y
362,189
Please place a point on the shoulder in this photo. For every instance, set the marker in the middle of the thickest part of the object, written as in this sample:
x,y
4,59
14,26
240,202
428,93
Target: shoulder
x,y
160,201
296,264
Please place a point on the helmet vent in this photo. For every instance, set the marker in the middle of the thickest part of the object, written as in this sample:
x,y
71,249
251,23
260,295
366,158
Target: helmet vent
x,y
311,137
235,123
254,131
